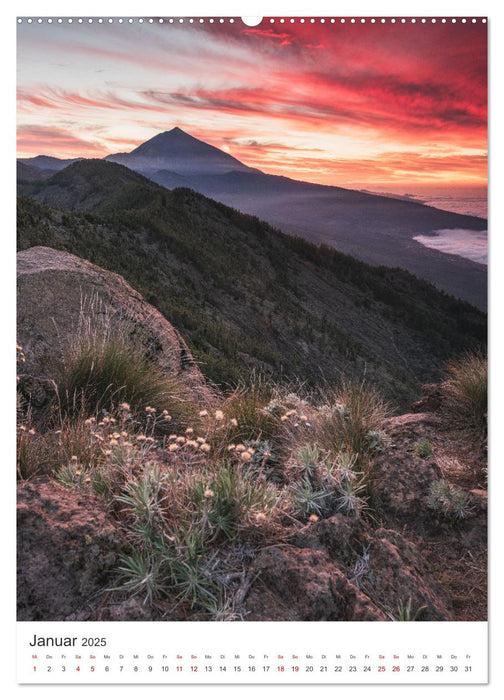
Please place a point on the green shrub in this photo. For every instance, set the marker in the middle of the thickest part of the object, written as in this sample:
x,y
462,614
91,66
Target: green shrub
x,y
449,501
309,499
405,613
245,407
466,392
142,574
349,416
105,365
234,499
64,442
34,455
423,448
351,498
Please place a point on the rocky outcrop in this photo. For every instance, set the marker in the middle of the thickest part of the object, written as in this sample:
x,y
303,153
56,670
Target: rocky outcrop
x,y
431,400
402,476
57,291
67,550
303,584
341,569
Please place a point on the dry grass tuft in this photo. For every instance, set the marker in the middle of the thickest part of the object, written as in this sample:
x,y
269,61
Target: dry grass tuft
x,y
466,391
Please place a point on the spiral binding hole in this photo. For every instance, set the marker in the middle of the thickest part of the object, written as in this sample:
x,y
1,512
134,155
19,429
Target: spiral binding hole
x,y
231,20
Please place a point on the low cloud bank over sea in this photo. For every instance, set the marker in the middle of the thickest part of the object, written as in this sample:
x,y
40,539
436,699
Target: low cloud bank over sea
x,y
468,244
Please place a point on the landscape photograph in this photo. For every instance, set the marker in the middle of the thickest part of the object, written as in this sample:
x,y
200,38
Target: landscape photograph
x,y
251,319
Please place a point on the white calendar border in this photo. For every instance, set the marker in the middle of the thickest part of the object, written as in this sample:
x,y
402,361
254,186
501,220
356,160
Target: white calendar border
x,y
272,8
310,653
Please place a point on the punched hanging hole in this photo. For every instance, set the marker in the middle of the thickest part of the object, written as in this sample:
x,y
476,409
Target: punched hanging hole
x,y
251,21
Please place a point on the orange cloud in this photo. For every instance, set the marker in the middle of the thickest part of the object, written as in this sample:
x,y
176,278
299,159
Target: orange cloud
x,y
328,103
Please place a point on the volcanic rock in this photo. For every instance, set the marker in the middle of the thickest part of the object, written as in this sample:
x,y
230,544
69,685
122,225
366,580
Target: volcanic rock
x,y
57,291
67,549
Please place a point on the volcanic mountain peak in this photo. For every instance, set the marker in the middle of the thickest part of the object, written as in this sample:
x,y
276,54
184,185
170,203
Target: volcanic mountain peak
x,y
178,151
171,138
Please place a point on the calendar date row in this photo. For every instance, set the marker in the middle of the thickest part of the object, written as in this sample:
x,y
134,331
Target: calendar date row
x,y
309,668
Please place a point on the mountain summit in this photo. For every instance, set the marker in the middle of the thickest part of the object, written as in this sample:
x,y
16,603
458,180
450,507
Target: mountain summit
x,y
176,151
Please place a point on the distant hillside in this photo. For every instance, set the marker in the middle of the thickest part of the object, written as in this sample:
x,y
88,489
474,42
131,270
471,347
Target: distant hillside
x,y
86,185
28,173
245,295
378,230
48,164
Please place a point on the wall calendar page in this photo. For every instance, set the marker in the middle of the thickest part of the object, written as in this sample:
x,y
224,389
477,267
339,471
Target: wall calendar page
x,y
251,348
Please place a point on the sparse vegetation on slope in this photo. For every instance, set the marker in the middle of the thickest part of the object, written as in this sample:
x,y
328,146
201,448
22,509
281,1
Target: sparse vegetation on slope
x,y
223,505
244,295
466,391
103,367
195,501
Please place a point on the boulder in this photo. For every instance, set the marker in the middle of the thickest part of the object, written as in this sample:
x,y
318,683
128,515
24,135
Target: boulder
x,y
402,478
398,577
431,399
388,569
57,292
303,584
67,551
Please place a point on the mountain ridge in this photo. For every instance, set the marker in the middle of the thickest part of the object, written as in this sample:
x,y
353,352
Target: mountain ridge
x,y
376,229
247,296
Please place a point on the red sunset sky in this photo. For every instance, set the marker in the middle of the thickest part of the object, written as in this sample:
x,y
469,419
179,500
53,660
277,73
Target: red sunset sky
x,y
397,107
